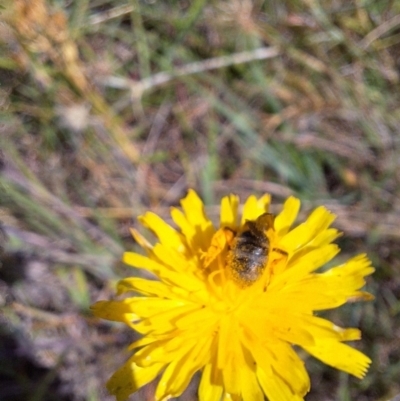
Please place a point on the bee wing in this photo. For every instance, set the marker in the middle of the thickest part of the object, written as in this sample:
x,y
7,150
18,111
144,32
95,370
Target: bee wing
x,y
265,222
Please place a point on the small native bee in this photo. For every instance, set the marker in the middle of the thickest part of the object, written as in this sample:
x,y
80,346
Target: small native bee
x,y
248,252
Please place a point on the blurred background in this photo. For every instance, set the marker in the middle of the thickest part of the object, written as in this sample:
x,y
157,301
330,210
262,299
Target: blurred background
x,y
109,108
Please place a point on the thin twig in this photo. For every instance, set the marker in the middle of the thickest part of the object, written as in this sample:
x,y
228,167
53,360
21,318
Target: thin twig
x,y
110,14
380,31
138,87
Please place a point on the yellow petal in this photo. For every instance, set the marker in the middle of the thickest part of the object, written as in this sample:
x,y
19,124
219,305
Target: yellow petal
x,y
170,257
334,287
142,241
130,377
303,234
142,262
320,219
322,329
275,388
299,267
157,352
211,387
352,272
229,209
193,222
254,207
144,286
163,312
251,390
193,208
359,296
199,320
149,306
143,341
287,216
181,279
308,295
341,356
187,360
163,231
223,339
118,311
325,237
279,357
279,323
230,358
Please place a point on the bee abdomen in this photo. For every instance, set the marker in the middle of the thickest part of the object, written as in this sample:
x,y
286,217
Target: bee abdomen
x,y
248,257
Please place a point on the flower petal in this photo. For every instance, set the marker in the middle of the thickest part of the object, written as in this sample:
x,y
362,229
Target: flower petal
x,y
187,360
193,208
251,390
141,241
130,377
181,278
144,286
163,231
287,216
300,267
193,222
229,208
269,320
332,288
160,314
280,357
318,221
143,262
211,386
230,357
117,311
254,207
274,387
341,356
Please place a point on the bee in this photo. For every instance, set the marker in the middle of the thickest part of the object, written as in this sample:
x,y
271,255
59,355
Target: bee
x,y
248,252
245,252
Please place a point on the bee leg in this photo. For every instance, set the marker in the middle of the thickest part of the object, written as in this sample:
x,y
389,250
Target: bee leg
x,y
279,261
277,264
222,238
282,252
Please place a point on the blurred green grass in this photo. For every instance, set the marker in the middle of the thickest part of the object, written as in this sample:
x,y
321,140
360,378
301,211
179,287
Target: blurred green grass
x,y
110,108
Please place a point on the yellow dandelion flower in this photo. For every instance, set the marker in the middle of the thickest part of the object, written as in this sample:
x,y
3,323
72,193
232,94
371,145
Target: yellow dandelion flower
x,y
232,302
